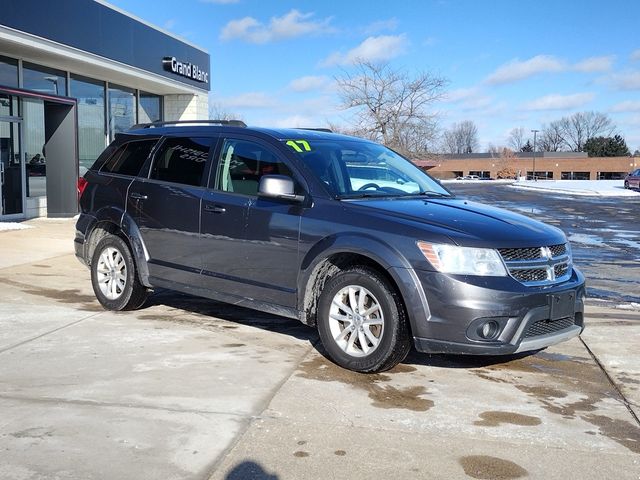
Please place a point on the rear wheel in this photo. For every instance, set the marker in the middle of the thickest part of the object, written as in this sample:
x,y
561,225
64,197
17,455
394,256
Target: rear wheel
x,y
361,322
626,184
114,277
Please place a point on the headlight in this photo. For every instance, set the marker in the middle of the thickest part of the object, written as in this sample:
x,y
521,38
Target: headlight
x,y
484,262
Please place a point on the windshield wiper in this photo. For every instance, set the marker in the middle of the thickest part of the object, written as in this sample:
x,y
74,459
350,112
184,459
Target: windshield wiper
x,y
350,196
433,194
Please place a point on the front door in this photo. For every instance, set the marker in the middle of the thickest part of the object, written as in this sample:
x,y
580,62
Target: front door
x,y
11,168
250,245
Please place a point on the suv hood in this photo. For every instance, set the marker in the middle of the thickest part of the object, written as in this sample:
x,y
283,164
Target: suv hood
x,y
467,223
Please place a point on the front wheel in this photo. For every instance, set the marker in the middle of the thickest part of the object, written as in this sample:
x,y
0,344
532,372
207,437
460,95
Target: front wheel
x,y
113,276
361,322
626,185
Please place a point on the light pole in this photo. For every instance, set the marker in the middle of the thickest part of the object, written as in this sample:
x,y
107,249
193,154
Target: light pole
x,y
53,80
535,132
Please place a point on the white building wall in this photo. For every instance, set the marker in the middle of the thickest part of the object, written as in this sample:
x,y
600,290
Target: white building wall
x,y
186,107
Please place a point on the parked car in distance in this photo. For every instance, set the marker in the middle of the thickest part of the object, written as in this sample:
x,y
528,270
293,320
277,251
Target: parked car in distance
x,y
632,180
338,232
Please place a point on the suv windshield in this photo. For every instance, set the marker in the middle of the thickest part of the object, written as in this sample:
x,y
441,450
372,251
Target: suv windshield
x,y
355,169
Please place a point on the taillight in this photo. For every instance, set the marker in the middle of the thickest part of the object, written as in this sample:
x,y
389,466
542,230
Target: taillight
x,y
82,184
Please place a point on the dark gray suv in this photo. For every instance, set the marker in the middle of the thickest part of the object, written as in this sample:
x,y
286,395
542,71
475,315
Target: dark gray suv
x,y
279,221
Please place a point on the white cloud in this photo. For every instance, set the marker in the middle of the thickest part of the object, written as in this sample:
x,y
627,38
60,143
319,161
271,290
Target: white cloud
x,y
635,55
290,25
518,70
595,64
249,100
169,24
296,121
461,94
559,102
372,49
627,106
309,83
626,81
468,98
390,25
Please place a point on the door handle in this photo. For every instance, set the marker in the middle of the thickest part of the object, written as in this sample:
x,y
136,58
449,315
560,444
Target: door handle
x,y
138,196
214,209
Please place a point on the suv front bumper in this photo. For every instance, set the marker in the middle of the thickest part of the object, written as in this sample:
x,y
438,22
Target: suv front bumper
x,y
529,318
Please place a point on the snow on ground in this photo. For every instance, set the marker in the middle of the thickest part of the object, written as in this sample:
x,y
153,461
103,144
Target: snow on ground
x,y
593,188
488,182
4,226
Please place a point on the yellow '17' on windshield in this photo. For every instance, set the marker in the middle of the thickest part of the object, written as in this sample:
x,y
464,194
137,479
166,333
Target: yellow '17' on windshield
x,y
296,144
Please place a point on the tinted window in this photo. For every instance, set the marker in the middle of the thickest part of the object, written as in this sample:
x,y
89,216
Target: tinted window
x,y
44,79
129,158
181,160
242,164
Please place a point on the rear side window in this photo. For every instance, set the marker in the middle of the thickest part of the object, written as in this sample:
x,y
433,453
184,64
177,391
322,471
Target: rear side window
x,y
129,158
181,160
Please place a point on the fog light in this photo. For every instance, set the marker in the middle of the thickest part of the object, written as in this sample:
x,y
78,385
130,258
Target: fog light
x,y
489,330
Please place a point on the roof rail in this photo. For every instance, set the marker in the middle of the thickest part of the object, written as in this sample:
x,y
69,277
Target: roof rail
x,y
328,130
230,123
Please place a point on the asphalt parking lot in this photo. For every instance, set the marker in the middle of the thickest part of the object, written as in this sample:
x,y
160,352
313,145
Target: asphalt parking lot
x,y
604,232
187,388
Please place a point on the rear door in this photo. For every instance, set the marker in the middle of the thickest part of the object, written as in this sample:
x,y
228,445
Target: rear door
x,y
250,244
166,207
108,186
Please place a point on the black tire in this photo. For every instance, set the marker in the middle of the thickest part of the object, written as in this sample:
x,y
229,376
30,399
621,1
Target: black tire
x,y
394,337
133,294
626,185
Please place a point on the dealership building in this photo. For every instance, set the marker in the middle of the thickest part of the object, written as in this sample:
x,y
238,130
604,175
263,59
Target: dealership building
x,y
72,75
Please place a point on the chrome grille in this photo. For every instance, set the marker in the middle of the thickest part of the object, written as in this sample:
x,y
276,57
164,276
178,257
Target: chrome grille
x,y
530,275
544,327
538,265
561,269
519,253
558,250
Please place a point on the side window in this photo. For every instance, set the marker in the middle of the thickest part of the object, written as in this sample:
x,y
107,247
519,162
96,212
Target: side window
x,y
129,158
242,163
181,160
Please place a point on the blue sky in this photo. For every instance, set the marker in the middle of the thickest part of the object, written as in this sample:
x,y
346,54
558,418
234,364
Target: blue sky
x,y
509,63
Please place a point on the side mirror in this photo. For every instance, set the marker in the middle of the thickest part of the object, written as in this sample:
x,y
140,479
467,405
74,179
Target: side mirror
x,y
278,186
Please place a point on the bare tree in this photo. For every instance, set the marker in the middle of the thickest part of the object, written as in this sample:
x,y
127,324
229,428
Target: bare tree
x,y
581,126
552,137
461,138
517,139
391,106
218,112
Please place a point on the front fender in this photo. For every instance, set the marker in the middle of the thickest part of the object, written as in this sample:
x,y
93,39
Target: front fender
x,y
387,257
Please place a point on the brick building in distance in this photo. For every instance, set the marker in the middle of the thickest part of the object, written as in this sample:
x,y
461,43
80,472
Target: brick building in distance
x,y
548,165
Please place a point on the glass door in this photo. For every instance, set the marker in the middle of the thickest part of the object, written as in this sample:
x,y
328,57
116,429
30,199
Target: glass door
x,y
11,164
10,169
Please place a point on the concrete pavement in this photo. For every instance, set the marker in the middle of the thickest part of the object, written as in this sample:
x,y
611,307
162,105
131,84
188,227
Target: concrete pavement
x,y
192,389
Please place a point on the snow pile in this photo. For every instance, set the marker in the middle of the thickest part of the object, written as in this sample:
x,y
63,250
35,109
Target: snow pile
x,y
5,226
591,188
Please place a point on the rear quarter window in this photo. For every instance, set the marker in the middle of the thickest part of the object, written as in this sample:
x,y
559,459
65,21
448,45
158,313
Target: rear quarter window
x,y
129,158
181,160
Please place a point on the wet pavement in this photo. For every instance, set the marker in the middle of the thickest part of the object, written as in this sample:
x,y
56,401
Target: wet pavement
x,y
187,388
604,232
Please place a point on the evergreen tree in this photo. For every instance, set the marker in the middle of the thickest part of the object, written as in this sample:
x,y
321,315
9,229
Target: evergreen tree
x,y
607,147
527,147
